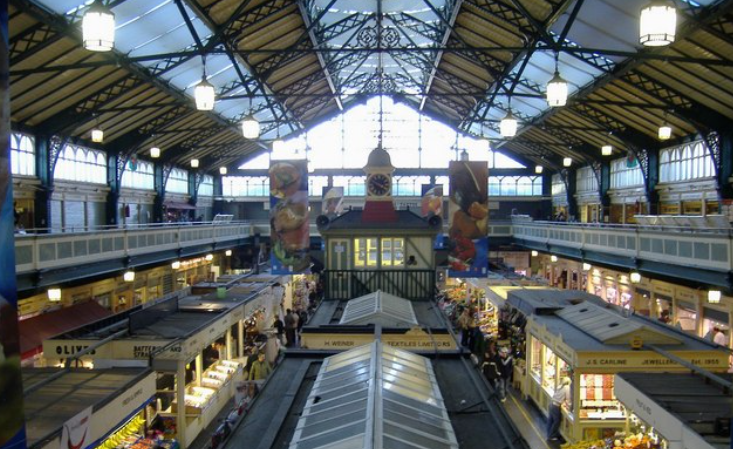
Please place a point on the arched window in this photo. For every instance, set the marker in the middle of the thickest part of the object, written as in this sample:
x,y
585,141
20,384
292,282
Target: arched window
x,y
81,164
686,162
177,181
22,154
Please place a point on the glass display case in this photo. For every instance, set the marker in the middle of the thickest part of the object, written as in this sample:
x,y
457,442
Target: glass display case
x,y
536,348
597,400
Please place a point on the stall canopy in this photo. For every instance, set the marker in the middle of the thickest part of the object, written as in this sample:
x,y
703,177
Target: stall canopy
x,y
547,301
379,308
375,396
609,327
34,331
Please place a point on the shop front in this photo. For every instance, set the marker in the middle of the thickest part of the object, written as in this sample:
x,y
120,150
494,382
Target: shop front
x,y
570,344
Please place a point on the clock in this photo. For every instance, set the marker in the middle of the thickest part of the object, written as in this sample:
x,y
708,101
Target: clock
x,y
379,185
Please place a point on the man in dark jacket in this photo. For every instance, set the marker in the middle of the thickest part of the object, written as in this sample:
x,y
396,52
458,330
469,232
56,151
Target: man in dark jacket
x,y
506,368
291,325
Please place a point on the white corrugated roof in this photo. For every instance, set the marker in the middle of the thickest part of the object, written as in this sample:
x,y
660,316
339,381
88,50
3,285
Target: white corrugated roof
x,y
379,308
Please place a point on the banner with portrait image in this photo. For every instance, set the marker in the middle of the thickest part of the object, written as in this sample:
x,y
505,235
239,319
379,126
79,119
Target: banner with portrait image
x,y
332,204
12,434
468,210
289,224
431,205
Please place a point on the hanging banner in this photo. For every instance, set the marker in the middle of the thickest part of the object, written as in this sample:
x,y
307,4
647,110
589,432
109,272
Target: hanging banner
x,y
332,204
75,433
12,434
289,224
469,219
431,205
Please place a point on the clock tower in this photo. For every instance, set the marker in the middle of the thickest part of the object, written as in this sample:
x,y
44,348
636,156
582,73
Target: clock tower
x,y
379,206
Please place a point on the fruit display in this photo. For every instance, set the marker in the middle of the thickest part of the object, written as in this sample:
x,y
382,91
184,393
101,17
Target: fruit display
x,y
127,435
634,441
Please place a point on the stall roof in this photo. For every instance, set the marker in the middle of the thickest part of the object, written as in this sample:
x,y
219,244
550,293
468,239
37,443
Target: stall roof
x,y
330,313
546,300
581,341
610,327
34,330
697,403
379,308
177,325
375,396
276,411
49,407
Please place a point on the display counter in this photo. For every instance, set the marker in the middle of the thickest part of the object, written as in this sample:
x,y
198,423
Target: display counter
x,y
574,343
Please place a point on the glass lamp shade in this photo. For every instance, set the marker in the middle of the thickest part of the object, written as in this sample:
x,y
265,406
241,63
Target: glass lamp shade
x,y
228,252
204,95
250,128
97,135
176,265
567,161
508,125
129,276
635,277
539,169
278,145
665,132
607,150
155,152
98,28
557,91
713,296
223,171
657,24
194,163
54,294
586,266
535,253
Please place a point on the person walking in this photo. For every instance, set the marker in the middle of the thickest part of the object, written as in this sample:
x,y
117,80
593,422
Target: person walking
x,y
464,323
280,328
506,367
560,398
490,369
291,325
260,368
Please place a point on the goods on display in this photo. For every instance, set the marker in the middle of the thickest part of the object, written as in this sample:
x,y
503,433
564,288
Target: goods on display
x,y
132,436
634,441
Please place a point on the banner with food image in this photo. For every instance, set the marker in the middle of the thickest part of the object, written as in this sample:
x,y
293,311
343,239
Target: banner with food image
x,y
332,204
468,210
289,224
431,205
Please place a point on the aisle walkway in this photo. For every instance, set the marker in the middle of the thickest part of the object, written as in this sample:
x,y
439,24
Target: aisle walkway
x,y
529,421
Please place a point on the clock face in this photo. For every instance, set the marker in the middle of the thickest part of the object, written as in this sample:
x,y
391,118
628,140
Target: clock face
x,y
379,185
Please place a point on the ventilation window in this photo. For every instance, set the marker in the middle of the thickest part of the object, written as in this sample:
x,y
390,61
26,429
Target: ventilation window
x,y
583,310
613,325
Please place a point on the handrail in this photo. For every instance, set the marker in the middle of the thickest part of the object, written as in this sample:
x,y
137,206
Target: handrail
x,y
625,227
43,232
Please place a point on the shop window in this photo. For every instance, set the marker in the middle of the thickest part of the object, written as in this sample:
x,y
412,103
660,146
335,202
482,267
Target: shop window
x,y
393,252
597,400
365,252
22,154
586,180
686,317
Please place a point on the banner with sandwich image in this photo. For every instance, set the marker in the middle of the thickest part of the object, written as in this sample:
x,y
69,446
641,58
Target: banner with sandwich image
x,y
469,219
289,224
332,204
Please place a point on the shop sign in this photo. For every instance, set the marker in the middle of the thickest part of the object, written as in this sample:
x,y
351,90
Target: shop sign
x,y
68,348
685,294
75,433
565,352
646,360
418,339
334,341
663,288
137,349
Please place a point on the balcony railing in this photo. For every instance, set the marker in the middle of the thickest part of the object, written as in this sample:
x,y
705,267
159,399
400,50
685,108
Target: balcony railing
x,y
47,251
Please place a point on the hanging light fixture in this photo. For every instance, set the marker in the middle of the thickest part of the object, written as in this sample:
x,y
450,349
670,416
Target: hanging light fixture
x,y
176,264
250,125
557,88
713,296
607,150
535,253
508,125
228,252
657,24
553,258
97,135
539,169
567,161
204,93
635,277
155,152
194,163
129,276
223,171
209,257
586,266
54,294
98,28
665,129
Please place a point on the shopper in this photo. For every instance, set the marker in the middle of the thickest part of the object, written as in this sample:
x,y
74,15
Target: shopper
x,y
506,366
260,368
491,370
464,324
302,318
280,327
560,398
291,325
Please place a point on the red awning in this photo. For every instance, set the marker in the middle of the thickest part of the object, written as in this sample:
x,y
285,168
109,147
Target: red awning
x,y
179,205
34,331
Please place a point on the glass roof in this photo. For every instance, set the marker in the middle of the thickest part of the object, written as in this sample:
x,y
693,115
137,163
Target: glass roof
x,y
379,307
375,396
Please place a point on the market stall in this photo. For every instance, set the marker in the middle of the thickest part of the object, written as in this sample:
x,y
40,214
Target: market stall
x,y
676,411
110,408
587,344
